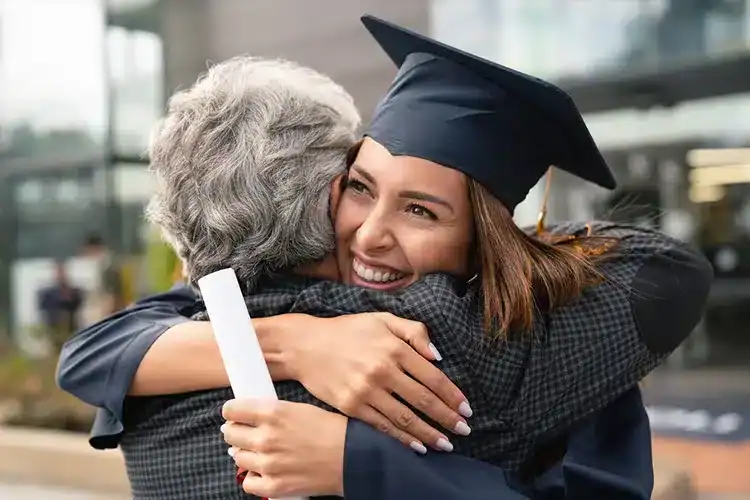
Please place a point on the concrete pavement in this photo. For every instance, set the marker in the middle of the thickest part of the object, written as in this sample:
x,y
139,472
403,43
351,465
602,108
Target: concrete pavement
x,y
29,492
66,459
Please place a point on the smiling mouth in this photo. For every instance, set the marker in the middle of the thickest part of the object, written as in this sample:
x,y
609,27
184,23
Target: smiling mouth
x,y
374,274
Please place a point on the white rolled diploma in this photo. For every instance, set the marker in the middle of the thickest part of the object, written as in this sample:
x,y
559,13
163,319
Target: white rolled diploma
x,y
238,343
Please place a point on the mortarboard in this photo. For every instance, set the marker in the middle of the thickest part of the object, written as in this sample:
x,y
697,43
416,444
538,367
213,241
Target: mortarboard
x,y
498,126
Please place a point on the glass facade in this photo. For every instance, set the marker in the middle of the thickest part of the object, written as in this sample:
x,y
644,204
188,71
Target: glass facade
x,y
581,39
81,84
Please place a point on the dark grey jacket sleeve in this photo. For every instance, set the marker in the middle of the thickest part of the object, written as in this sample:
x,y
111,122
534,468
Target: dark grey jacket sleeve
x,y
98,363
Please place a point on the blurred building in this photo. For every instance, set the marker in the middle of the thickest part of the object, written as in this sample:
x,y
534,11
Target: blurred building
x,y
665,85
665,88
82,82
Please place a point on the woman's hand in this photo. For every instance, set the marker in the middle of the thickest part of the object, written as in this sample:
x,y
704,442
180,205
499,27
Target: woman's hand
x,y
356,363
288,449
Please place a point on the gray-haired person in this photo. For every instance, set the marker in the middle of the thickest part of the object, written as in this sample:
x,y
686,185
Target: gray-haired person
x,y
245,161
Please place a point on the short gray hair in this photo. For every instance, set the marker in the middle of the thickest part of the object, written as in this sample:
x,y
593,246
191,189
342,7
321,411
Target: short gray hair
x,y
244,162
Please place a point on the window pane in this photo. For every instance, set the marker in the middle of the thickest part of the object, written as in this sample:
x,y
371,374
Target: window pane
x,y
136,69
575,38
54,213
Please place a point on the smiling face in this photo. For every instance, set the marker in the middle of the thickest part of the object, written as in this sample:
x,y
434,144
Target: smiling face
x,y
400,218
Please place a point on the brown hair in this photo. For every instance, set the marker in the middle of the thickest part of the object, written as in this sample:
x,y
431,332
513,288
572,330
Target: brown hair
x,y
523,273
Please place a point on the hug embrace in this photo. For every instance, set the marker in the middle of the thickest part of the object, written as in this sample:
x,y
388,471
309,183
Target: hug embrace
x,y
422,345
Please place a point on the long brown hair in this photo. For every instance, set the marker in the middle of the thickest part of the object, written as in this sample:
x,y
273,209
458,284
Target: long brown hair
x,y
521,273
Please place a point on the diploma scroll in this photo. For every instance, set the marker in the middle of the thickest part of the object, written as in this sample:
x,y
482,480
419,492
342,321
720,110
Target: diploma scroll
x,y
238,343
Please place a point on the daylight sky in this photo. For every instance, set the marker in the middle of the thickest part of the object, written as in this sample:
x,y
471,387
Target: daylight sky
x,y
52,58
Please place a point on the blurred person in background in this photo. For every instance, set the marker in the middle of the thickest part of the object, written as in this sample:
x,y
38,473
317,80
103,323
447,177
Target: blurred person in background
x,y
204,255
59,305
106,293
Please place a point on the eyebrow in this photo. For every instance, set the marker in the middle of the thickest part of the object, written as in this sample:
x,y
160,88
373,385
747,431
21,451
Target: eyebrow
x,y
415,195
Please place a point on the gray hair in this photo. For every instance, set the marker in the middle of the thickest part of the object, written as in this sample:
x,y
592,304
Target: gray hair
x,y
244,162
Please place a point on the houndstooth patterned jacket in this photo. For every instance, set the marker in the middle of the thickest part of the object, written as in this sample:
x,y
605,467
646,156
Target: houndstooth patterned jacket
x,y
525,392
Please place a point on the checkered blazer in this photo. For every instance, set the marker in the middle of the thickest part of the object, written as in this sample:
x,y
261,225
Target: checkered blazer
x,y
525,391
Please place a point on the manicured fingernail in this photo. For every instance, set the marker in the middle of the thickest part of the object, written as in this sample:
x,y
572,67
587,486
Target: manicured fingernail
x,y
223,428
465,410
231,452
444,444
435,352
462,429
418,447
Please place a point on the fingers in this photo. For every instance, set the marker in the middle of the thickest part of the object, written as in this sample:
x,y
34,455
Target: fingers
x,y
421,398
404,419
248,460
413,333
377,420
249,411
438,383
262,487
240,436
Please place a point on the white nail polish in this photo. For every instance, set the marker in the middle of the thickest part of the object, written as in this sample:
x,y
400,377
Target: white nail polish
x,y
223,428
435,352
231,452
444,444
465,410
462,429
418,447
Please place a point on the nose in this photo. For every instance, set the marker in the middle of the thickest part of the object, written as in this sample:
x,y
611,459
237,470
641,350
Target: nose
x,y
375,234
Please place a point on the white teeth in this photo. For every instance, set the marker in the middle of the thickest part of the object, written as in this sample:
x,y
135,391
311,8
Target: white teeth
x,y
374,275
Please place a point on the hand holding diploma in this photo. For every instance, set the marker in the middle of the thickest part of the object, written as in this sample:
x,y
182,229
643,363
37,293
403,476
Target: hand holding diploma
x,y
289,448
238,343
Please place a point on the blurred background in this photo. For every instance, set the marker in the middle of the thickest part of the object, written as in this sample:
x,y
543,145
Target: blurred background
x,y
664,85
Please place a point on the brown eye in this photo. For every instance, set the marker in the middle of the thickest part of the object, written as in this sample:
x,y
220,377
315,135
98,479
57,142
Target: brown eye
x,y
420,211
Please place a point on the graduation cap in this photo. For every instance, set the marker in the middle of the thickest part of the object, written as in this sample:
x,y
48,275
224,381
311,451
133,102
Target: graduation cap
x,y
500,127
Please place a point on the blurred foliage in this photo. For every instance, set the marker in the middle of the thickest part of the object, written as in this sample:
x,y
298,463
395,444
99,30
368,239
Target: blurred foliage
x,y
162,264
29,395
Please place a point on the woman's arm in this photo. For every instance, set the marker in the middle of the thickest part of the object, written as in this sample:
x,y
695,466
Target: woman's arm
x,y
608,456
98,363
186,358
151,349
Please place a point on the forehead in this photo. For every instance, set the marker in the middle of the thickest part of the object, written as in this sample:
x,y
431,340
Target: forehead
x,y
417,172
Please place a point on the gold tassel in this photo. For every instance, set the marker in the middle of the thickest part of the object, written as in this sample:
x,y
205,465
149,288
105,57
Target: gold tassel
x,y
543,211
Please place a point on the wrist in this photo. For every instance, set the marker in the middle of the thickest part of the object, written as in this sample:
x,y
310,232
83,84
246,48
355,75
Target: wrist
x,y
284,340
275,338
333,468
300,335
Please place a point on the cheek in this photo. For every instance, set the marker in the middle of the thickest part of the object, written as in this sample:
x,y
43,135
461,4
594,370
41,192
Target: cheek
x,y
443,252
349,218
